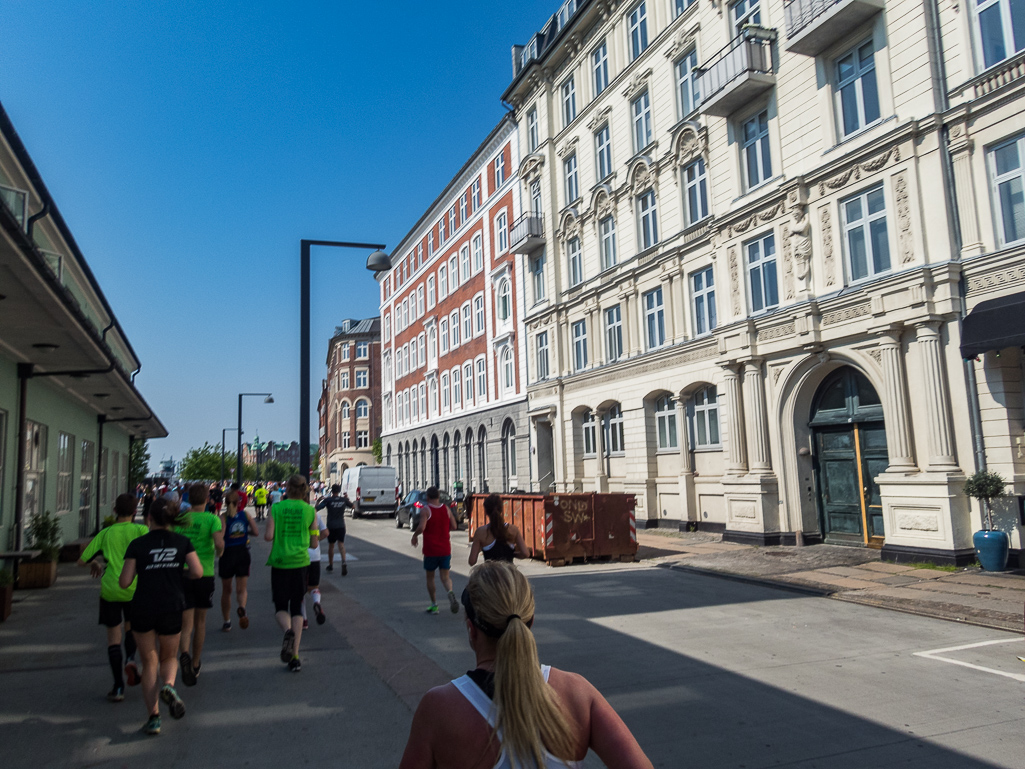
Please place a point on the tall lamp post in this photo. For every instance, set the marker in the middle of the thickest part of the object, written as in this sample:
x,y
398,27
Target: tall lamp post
x,y
225,430
267,398
378,261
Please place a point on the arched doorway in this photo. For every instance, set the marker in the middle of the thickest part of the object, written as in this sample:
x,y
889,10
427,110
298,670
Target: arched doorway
x,y
435,470
850,451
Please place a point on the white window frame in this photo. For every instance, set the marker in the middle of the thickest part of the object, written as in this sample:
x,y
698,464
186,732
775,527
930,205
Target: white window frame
x,y
579,331
569,101
861,73
503,304
640,110
589,433
615,436
362,405
745,12
479,317
1006,180
695,192
766,265
687,95
702,284
612,318
863,225
446,392
704,412
607,246
541,360
575,262
666,432
443,333
442,282
508,372
1006,27
654,318
500,169
453,273
637,30
467,314
457,388
431,296
569,170
475,193
453,330
468,385
477,245
481,367
537,276
647,220
756,152
502,232
533,139
600,67
603,152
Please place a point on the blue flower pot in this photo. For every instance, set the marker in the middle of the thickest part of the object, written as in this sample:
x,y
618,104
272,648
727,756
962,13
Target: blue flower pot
x,y
992,548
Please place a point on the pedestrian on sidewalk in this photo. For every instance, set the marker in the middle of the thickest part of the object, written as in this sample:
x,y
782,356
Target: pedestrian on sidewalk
x,y
159,559
115,601
336,505
313,574
235,561
435,524
511,710
205,532
292,529
497,540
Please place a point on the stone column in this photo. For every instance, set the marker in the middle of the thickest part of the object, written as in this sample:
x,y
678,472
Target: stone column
x,y
680,307
937,398
601,478
755,417
683,435
669,307
898,421
961,150
737,456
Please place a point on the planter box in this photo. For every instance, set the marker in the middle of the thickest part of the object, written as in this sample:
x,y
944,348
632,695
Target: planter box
x,y
32,575
6,599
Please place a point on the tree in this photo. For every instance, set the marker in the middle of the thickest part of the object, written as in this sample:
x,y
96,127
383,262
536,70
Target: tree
x,y
378,451
315,464
204,463
273,470
138,464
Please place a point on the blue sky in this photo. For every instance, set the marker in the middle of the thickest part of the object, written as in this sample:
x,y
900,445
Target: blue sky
x,y
191,145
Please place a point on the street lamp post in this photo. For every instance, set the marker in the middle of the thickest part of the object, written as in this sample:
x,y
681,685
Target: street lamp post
x,y
225,430
378,261
267,398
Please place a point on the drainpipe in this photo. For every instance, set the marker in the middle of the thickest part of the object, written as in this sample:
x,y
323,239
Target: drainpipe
x,y
128,482
136,373
24,374
31,224
100,420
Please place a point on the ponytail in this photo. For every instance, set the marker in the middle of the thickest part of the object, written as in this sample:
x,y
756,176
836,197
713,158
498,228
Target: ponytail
x,y
496,521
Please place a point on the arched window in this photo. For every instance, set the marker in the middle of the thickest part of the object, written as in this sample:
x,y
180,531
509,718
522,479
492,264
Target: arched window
x,y
504,300
614,439
387,455
457,469
423,459
362,409
434,397
665,423
588,425
482,464
469,457
704,408
345,410
416,475
457,388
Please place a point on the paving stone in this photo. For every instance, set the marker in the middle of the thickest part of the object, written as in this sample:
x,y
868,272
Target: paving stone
x,y
891,568
834,580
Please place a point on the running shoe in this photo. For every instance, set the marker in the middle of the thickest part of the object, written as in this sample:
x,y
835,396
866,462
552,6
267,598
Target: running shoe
x,y
243,618
226,627
330,567
345,569
453,602
321,619
433,609
174,703
117,694
152,726
132,677
188,674
294,665
287,644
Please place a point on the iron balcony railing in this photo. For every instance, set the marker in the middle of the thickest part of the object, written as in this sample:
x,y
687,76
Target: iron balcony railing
x,y
749,52
798,14
529,225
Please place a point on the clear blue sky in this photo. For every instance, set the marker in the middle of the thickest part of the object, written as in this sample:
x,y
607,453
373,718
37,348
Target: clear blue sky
x,y
191,145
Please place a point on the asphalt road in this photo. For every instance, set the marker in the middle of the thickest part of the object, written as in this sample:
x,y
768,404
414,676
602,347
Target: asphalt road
x,y
706,672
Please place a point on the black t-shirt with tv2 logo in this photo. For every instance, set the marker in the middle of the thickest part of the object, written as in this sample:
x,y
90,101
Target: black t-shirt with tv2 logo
x,y
160,565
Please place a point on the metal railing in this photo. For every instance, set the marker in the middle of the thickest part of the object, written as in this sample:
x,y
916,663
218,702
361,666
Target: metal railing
x,y
748,52
529,225
798,14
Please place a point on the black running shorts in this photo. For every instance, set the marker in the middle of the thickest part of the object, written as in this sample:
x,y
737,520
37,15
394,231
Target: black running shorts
x,y
288,587
235,562
199,593
336,535
168,623
112,613
313,574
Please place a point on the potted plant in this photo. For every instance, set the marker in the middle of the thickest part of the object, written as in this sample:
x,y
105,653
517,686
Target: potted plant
x,y
45,532
992,546
6,593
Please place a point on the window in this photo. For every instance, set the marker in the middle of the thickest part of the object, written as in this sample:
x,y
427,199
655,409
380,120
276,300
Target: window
x,y
419,255
414,411
478,315
419,301
482,381
576,262
475,193
864,223
453,273
432,346
405,322
1001,29
665,423
654,318
363,349
535,197
442,282
387,327
508,372
641,109
857,98
533,140
362,409
443,328
537,272
745,12
569,168
65,463
412,356
638,26
613,334
453,330
431,301
500,169
501,232
441,231
1005,168
542,355
362,439
478,252
761,272
569,102
614,442
757,161
362,378
85,483
423,400
703,285
579,345
695,183
467,322
344,381
345,351
607,231
679,6
462,207
434,397
504,299
468,385
452,222
600,67
603,152
430,243
704,407
422,345
446,392
648,215
687,96
457,389
346,440
590,437
345,410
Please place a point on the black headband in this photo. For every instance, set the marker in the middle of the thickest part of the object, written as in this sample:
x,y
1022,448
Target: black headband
x,y
484,626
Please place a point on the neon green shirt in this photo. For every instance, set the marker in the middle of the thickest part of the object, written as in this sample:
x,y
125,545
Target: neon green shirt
x,y
293,524
199,527
111,543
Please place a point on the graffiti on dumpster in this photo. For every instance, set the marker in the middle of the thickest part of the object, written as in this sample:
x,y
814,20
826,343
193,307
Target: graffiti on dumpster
x,y
576,511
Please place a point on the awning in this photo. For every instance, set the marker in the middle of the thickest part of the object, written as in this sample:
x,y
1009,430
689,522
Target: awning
x,y
995,324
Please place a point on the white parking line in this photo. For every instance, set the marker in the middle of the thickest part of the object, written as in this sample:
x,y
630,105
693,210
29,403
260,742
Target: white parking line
x,y
934,654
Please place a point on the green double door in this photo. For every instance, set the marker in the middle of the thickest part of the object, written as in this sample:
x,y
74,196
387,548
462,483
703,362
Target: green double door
x,y
850,451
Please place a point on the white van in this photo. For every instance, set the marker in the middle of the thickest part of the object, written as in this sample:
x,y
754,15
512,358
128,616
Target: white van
x,y
371,489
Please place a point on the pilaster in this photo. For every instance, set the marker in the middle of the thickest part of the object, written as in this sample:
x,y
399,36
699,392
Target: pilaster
x,y
898,420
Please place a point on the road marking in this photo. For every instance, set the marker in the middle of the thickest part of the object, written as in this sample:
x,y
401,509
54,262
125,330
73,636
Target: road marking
x,y
934,654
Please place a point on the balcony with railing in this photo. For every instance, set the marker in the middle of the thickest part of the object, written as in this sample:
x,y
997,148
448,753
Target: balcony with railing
x,y
527,233
814,25
738,73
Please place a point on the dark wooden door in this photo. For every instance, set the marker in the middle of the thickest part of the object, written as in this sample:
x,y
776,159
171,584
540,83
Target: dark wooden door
x,y
840,485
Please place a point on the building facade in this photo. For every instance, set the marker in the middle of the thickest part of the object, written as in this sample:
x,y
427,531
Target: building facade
x,y
350,402
69,408
258,452
761,220
451,307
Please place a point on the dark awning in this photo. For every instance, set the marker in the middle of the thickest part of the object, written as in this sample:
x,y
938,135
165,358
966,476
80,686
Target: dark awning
x,y
995,324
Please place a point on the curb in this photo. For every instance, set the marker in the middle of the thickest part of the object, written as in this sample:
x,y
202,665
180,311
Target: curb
x,y
761,581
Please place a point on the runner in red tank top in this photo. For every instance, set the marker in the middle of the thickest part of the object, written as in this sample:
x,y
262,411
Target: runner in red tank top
x,y
436,521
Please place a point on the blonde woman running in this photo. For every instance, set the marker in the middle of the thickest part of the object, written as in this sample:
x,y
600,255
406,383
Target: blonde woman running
x,y
511,711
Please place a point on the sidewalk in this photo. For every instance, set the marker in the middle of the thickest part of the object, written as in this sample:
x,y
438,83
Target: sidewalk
x,y
968,595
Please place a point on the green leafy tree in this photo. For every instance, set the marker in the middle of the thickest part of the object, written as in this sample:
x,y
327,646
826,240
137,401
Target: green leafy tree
x,y
985,487
138,464
315,464
204,463
378,451
273,470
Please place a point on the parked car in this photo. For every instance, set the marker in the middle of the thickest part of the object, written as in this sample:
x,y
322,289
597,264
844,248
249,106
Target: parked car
x,y
413,503
371,489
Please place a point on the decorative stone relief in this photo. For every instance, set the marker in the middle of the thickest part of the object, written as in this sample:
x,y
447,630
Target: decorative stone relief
x,y
799,237
825,218
568,146
906,243
777,373
833,317
530,168
755,219
917,521
788,271
876,355
637,84
642,176
777,332
734,280
569,227
599,117
602,204
1011,277
855,172
690,142
683,42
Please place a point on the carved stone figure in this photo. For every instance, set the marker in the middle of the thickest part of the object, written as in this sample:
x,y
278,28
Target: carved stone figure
x,y
800,239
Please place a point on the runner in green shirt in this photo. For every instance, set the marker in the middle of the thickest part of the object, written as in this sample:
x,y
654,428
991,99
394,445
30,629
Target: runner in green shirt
x,y
292,528
110,544
204,530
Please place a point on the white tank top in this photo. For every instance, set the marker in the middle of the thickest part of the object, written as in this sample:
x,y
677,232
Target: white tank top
x,y
469,689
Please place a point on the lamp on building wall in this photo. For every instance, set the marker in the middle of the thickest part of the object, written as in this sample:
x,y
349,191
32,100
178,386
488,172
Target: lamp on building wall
x,y
377,262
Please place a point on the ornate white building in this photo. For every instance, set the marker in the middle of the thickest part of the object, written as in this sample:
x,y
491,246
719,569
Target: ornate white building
x,y
765,223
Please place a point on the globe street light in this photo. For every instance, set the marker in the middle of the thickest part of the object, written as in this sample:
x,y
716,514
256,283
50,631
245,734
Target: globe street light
x,y
267,398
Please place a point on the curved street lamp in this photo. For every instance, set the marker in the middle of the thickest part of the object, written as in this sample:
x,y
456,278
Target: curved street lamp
x,y
267,398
